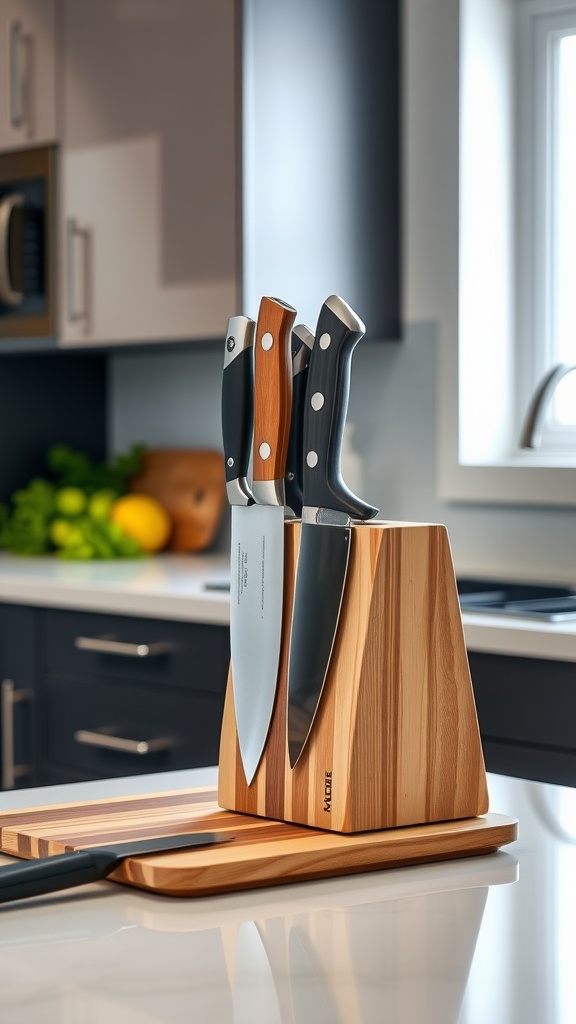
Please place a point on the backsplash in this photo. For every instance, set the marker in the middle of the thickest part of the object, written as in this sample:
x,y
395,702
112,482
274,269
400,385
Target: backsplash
x,y
172,399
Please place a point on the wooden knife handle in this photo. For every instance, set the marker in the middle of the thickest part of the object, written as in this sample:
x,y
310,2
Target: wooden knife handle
x,y
272,389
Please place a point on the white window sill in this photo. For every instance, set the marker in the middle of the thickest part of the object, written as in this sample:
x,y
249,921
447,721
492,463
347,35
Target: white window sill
x,y
534,480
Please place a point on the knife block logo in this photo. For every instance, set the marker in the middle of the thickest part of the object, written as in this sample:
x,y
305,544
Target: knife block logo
x,y
328,791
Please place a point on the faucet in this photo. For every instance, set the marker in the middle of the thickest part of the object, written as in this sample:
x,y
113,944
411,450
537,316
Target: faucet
x,y
533,428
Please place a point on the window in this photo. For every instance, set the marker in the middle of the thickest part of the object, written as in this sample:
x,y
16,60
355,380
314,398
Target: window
x,y
516,316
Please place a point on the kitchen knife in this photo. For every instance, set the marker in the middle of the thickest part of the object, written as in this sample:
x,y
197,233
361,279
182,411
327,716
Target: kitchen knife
x,y
78,867
257,546
329,507
302,342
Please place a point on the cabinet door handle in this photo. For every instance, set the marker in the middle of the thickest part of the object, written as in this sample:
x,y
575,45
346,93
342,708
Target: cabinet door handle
x,y
72,232
15,76
105,645
106,740
8,294
9,696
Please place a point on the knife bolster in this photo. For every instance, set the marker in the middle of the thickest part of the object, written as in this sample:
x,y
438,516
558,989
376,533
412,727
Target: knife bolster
x,y
395,740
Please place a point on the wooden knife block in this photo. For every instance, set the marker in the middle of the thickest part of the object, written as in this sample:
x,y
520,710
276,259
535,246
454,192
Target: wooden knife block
x,y
395,740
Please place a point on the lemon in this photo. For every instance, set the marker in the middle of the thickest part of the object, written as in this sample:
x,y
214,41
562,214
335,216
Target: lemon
x,y
142,518
70,501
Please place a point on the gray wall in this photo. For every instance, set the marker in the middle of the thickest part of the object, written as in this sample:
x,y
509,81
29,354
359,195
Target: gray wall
x,y
391,439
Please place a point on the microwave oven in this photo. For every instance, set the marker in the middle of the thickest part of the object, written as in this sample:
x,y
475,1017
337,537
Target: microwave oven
x,y
27,243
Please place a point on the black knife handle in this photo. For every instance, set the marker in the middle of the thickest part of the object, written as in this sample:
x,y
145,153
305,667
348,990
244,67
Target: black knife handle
x,y
50,874
338,332
302,342
238,405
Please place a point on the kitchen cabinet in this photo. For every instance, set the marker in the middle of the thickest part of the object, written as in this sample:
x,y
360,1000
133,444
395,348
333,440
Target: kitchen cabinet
x,y
27,73
215,152
113,695
18,636
149,170
526,711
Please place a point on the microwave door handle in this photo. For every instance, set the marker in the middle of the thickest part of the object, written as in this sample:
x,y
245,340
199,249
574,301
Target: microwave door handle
x,y
8,295
15,77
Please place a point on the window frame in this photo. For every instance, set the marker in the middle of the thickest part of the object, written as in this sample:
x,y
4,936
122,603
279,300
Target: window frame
x,y
542,26
496,471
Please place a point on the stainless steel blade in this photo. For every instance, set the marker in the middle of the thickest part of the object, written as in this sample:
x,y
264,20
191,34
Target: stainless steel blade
x,y
256,583
320,580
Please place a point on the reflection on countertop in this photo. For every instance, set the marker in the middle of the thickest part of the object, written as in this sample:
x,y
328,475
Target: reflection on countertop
x,y
470,940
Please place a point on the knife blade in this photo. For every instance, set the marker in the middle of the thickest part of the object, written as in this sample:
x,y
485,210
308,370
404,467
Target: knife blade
x,y
78,867
329,507
257,546
302,342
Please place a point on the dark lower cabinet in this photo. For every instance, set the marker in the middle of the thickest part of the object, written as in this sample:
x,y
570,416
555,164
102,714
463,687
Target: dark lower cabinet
x,y
111,695
18,650
527,716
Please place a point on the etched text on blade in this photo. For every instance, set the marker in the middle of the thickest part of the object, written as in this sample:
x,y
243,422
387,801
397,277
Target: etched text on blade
x,y
257,555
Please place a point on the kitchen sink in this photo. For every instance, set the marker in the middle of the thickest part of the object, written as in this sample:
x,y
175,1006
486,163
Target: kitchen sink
x,y
533,601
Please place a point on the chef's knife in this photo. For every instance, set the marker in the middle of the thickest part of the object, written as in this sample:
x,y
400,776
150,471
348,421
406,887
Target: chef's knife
x,y
302,341
78,867
329,507
257,547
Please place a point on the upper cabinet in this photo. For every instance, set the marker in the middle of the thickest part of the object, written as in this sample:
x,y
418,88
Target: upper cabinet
x,y
149,170
208,152
27,86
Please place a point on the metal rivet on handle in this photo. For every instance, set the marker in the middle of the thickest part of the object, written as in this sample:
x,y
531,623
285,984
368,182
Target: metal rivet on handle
x,y
317,401
231,343
312,459
267,341
325,340
264,450
230,461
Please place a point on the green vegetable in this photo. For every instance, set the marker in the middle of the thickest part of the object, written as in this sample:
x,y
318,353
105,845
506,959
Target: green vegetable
x,y
100,504
25,530
76,469
68,513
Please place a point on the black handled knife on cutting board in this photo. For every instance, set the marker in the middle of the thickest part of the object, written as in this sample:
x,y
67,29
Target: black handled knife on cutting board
x,y
302,342
79,867
257,544
329,508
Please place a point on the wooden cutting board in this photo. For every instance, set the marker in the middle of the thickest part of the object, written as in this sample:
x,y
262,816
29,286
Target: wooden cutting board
x,y
263,852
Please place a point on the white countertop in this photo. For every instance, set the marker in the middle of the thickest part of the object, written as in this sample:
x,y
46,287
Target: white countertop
x,y
178,587
471,940
528,638
164,586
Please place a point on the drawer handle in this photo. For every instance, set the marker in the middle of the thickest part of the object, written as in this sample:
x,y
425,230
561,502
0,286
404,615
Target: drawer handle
x,y
9,697
105,645
107,741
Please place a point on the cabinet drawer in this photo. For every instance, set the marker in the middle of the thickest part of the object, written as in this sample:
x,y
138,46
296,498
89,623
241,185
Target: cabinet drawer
x,y
113,728
138,649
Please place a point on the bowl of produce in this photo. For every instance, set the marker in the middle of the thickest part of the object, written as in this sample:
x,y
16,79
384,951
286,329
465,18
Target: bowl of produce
x,y
84,510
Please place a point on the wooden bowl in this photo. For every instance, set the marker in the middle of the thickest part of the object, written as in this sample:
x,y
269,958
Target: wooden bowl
x,y
191,486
